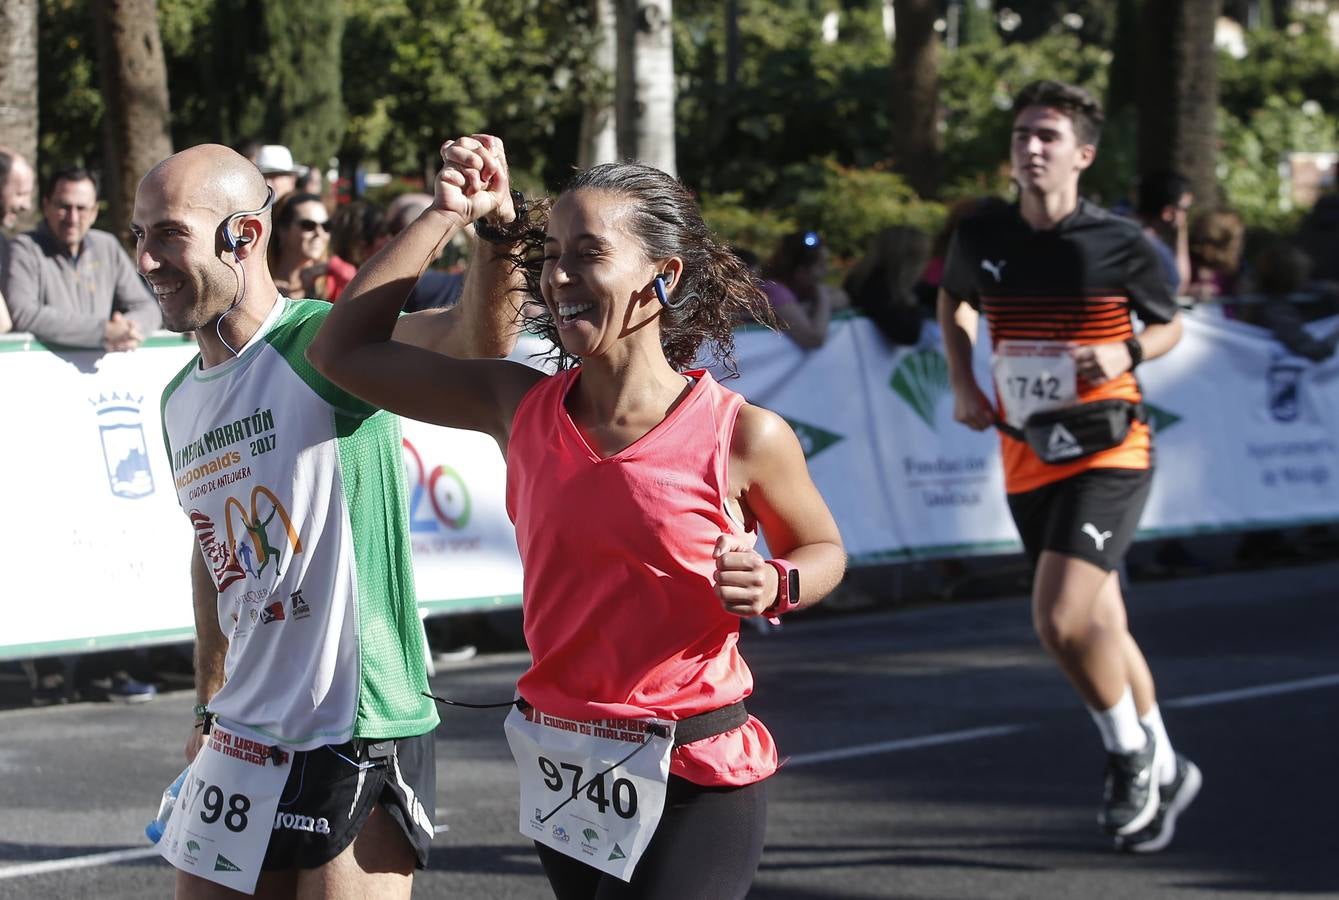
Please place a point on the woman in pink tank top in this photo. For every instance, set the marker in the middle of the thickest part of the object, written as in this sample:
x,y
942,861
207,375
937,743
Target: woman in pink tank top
x,y
638,486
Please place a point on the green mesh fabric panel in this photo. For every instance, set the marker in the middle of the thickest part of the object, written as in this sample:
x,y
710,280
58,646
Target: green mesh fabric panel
x,y
390,638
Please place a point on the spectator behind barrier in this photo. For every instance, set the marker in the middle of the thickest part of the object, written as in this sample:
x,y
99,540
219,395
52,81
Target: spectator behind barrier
x,y
1282,271
73,286
16,190
1217,238
1164,200
355,234
882,284
301,245
793,282
435,288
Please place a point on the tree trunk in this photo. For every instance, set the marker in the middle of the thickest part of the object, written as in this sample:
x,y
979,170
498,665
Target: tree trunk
x,y
645,93
18,77
915,94
136,131
599,137
1178,93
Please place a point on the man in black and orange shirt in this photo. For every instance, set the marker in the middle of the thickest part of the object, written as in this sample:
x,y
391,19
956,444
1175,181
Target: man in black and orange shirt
x,y
1058,279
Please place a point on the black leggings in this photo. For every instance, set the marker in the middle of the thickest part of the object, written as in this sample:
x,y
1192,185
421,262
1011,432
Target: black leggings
x,y
707,848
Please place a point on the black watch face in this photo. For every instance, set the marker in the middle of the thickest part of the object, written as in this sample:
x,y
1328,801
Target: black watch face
x,y
793,586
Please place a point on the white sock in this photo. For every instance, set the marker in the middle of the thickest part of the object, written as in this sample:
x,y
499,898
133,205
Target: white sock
x,y
1120,728
1164,760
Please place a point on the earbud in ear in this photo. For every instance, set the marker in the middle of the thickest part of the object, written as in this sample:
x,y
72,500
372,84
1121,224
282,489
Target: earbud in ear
x,y
658,285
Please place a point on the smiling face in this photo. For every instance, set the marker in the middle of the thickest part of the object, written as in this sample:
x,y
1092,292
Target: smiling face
x,y
70,211
307,235
596,279
177,250
1046,154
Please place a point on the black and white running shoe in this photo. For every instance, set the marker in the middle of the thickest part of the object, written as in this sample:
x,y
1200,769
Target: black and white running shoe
x,y
1174,798
1130,796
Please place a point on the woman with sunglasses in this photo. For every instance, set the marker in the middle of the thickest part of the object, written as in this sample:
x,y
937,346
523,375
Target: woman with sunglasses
x,y
301,247
793,281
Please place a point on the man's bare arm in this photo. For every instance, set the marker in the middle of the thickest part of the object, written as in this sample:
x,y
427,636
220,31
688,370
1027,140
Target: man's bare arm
x,y
211,646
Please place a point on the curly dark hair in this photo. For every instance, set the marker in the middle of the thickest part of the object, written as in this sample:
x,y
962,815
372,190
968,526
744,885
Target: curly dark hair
x,y
716,289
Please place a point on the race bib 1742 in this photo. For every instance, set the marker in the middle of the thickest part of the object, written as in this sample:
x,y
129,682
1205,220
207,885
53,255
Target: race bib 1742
x,y
1034,376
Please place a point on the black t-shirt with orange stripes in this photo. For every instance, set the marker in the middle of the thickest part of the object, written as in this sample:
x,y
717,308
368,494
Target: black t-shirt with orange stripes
x,y
1078,282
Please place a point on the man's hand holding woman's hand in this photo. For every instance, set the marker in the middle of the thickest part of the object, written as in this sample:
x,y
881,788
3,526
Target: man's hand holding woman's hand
x,y
474,181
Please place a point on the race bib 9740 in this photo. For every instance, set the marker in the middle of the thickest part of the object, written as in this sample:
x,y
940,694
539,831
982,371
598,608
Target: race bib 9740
x,y
584,792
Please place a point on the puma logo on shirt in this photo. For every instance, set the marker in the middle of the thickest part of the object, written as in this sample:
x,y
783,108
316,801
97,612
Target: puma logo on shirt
x,y
995,268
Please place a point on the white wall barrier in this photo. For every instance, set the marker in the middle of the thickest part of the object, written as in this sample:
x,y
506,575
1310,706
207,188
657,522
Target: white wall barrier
x,y
95,549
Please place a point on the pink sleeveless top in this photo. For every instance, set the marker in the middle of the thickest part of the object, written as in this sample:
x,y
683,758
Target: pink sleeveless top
x,y
620,615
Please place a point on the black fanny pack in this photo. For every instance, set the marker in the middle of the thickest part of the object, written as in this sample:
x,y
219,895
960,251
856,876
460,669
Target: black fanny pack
x,y
1063,435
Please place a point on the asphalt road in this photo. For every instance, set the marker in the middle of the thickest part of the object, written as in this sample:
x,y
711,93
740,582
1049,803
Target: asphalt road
x,y
934,753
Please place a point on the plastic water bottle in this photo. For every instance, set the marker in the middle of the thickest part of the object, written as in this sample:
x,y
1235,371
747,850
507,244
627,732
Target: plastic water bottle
x,y
154,830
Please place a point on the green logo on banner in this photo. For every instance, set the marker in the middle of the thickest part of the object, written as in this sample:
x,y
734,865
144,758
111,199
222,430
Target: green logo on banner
x,y
223,864
813,440
1160,419
617,853
921,379
590,834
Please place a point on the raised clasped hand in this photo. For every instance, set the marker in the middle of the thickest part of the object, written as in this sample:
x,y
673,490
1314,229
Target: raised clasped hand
x,y
474,181
744,582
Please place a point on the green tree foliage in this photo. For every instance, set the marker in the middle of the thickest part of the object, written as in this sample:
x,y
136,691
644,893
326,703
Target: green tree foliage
x,y
69,119
269,71
796,99
435,69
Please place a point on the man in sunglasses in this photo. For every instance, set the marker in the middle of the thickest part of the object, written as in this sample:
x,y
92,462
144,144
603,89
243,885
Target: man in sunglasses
x,y
71,285
312,750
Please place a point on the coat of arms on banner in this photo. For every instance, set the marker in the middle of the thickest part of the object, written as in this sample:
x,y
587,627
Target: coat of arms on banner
x,y
1285,389
124,453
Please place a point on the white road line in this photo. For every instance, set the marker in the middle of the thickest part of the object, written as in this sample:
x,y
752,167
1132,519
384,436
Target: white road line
x,y
1251,693
77,862
801,759
916,743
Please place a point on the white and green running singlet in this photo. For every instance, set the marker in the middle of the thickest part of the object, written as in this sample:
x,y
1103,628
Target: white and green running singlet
x,y
296,492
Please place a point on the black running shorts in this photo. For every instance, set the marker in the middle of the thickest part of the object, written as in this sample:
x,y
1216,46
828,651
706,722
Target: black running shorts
x,y
331,792
1092,515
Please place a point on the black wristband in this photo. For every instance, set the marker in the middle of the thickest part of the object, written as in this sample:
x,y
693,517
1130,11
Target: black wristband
x,y
1136,351
510,232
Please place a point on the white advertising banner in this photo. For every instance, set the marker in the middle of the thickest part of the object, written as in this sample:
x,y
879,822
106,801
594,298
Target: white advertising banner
x,y
1247,436
95,548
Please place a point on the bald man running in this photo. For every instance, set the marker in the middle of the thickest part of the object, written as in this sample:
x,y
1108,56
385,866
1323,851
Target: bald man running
x,y
312,753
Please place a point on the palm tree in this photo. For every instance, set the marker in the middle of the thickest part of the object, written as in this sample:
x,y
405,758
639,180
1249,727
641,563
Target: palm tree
x,y
18,77
134,82
644,96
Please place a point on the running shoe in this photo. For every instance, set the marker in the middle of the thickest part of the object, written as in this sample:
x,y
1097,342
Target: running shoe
x,y
121,688
1130,796
1174,799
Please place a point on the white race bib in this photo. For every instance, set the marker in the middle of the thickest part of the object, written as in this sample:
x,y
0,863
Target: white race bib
x,y
610,813
224,815
1034,376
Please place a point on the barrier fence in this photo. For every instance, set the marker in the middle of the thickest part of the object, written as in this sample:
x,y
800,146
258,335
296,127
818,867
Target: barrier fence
x,y
95,549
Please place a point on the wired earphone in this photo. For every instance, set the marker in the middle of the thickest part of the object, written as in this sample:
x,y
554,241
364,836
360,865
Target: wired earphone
x,y
233,242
